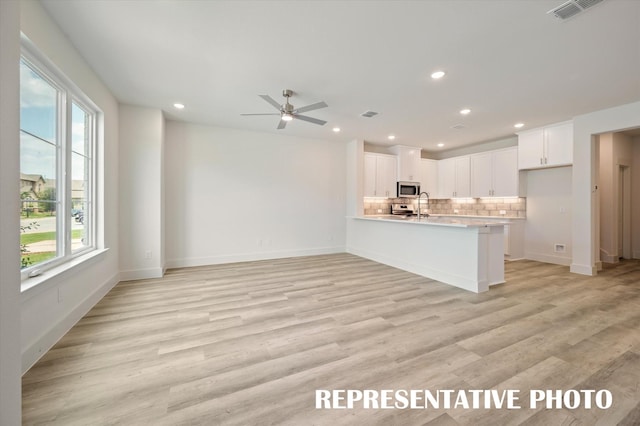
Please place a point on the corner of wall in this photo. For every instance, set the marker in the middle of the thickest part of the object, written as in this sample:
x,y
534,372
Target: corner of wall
x,y
10,325
36,349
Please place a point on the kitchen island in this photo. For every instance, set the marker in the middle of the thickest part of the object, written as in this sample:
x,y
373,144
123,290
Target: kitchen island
x,y
466,253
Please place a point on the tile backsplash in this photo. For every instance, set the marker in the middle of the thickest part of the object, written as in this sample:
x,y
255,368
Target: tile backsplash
x,y
512,206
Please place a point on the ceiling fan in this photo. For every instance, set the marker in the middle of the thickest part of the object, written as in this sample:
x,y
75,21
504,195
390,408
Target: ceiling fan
x,y
288,112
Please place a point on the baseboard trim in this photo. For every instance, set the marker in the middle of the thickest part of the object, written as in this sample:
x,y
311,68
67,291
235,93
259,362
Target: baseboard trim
x,y
583,269
249,257
142,274
548,258
45,342
608,258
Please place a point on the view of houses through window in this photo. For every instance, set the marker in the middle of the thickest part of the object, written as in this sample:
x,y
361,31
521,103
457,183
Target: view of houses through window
x,y
57,132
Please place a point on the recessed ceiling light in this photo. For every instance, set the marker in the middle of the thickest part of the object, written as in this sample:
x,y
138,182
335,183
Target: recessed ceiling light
x,y
440,145
179,106
465,111
392,137
438,74
518,125
336,129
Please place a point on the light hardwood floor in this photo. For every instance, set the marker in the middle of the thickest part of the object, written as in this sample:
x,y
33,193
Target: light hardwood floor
x,y
249,343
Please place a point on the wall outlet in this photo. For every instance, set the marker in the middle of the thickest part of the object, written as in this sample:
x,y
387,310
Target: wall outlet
x,y
379,210
455,211
147,254
503,212
559,248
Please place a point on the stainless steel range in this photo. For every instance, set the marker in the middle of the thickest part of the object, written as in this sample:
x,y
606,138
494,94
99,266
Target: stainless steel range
x,y
402,209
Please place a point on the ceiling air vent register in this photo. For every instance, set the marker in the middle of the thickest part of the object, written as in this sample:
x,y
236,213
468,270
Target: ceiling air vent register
x,y
369,114
572,8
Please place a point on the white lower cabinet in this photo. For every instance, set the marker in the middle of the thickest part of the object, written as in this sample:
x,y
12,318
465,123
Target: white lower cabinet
x,y
513,237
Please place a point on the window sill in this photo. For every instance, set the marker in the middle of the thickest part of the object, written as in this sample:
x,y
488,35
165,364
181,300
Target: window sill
x,y
51,277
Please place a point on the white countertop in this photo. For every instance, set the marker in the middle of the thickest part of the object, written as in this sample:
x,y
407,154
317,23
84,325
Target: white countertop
x,y
460,222
505,218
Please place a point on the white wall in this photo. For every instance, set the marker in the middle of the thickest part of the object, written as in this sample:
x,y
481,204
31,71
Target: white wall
x,y
584,213
141,201
52,307
548,215
10,385
235,195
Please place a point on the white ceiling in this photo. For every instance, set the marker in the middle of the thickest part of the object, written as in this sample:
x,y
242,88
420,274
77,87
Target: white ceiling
x,y
507,60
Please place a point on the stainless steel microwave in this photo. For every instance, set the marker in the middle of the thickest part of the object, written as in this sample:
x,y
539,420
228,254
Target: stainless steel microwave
x,y
408,189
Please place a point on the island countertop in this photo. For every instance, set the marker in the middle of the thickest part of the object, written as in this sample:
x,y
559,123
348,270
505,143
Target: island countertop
x,y
461,222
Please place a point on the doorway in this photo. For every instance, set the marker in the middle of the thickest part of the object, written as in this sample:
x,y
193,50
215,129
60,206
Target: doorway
x,y
624,212
618,155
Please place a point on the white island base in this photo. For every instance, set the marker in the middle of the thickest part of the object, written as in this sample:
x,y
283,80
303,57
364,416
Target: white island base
x,y
466,255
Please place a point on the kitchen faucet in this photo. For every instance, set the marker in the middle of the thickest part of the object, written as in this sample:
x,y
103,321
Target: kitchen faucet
x,y
419,198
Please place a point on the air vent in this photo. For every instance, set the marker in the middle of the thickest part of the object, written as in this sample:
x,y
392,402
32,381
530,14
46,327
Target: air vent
x,y
369,114
572,8
458,126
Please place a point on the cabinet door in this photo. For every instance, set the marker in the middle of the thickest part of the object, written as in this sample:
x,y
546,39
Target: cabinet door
x,y
463,177
482,175
386,176
559,145
370,172
530,149
446,178
505,173
429,177
408,162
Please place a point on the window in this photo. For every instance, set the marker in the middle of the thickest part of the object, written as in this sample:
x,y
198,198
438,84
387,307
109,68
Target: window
x,y
57,167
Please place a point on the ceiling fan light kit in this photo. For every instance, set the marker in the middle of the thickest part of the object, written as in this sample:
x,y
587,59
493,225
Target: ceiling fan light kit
x,y
288,112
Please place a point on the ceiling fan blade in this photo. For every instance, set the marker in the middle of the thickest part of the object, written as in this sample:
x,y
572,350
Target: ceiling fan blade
x,y
267,113
272,101
282,124
311,107
310,119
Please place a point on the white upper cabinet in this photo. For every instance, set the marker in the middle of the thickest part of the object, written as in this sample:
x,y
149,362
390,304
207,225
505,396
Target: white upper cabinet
x,y
370,170
549,146
495,173
482,175
379,175
408,162
454,177
429,177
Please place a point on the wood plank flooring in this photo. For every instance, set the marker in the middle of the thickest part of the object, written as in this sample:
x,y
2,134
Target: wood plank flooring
x,y
249,343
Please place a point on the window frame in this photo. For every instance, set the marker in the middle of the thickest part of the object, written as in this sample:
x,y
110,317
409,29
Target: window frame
x,y
68,95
